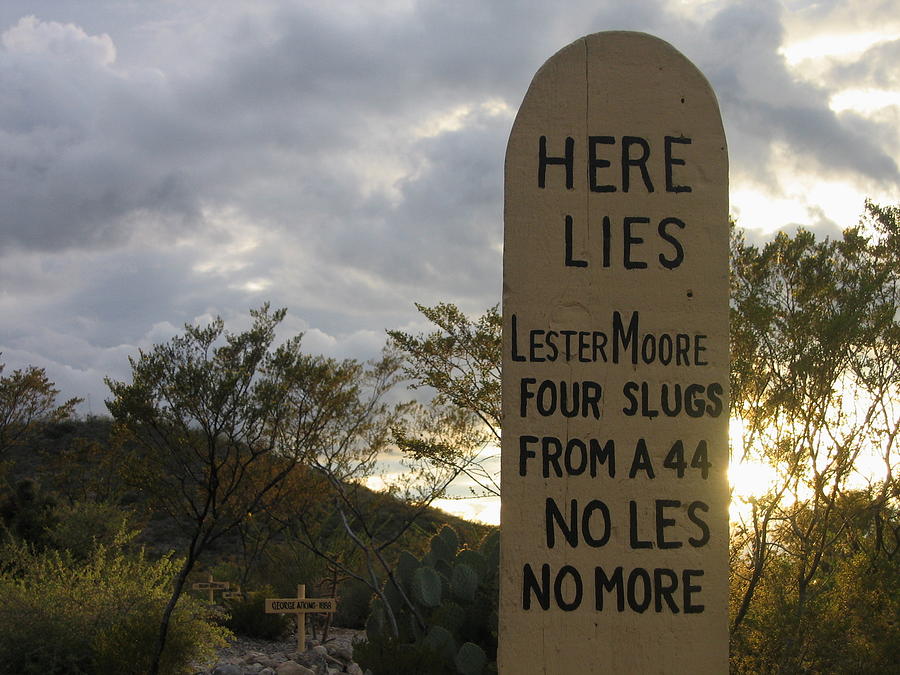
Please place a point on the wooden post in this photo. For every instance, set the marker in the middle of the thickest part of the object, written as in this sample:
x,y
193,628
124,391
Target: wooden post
x,y
211,587
614,555
301,621
301,606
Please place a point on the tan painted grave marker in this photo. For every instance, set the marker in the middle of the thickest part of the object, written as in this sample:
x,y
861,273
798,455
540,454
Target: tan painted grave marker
x,y
301,606
231,595
211,586
615,367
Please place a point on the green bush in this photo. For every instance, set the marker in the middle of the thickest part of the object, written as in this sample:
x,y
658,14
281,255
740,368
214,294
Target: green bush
x,y
98,615
82,526
354,600
28,511
248,617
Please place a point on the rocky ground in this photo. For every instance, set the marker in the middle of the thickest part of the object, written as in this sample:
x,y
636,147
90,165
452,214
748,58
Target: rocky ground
x,y
246,656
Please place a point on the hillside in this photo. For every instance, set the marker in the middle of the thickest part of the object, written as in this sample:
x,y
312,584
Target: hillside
x,y
73,462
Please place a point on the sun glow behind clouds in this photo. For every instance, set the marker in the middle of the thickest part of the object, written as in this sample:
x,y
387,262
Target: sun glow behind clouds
x,y
832,44
866,101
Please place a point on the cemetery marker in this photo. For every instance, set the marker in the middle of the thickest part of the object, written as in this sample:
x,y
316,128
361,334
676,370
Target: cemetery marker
x,y
231,595
301,606
211,586
615,367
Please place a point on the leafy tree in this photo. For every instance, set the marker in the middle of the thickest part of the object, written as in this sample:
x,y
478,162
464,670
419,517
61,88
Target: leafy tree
x,y
815,377
460,362
214,421
358,530
28,398
815,372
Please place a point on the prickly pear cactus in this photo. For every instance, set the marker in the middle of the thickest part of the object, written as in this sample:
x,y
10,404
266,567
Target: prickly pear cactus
x,y
445,610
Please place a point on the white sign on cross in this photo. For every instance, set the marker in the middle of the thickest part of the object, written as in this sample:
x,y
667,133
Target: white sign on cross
x,y
301,606
211,586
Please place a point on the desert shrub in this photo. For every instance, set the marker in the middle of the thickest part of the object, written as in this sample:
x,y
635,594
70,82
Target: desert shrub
x,y
28,511
247,616
80,527
97,615
354,601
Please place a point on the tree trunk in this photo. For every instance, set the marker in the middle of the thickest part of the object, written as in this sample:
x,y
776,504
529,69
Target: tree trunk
x,y
177,588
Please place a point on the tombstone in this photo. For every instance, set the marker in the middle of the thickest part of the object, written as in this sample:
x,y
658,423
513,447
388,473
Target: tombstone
x,y
301,606
614,515
236,594
211,586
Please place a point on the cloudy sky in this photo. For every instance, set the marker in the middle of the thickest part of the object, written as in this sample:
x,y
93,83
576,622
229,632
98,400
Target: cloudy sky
x,y
162,162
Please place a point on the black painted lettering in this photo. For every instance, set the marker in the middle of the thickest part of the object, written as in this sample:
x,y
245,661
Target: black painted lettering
x,y
586,531
629,240
633,528
525,453
639,574
648,348
663,590
569,400
570,261
693,406
603,455
551,343
670,408
629,391
530,585
688,591
573,469
599,345
624,338
568,529
715,392
640,161
703,539
568,161
595,163
641,460
551,449
666,349
698,347
534,345
515,342
609,584
678,257
524,394
682,345
646,409
547,397
662,523
607,240
671,161
584,347
567,334
591,393
577,586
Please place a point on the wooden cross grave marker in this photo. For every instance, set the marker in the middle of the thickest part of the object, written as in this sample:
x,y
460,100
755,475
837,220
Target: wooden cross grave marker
x,y
236,593
301,606
211,586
